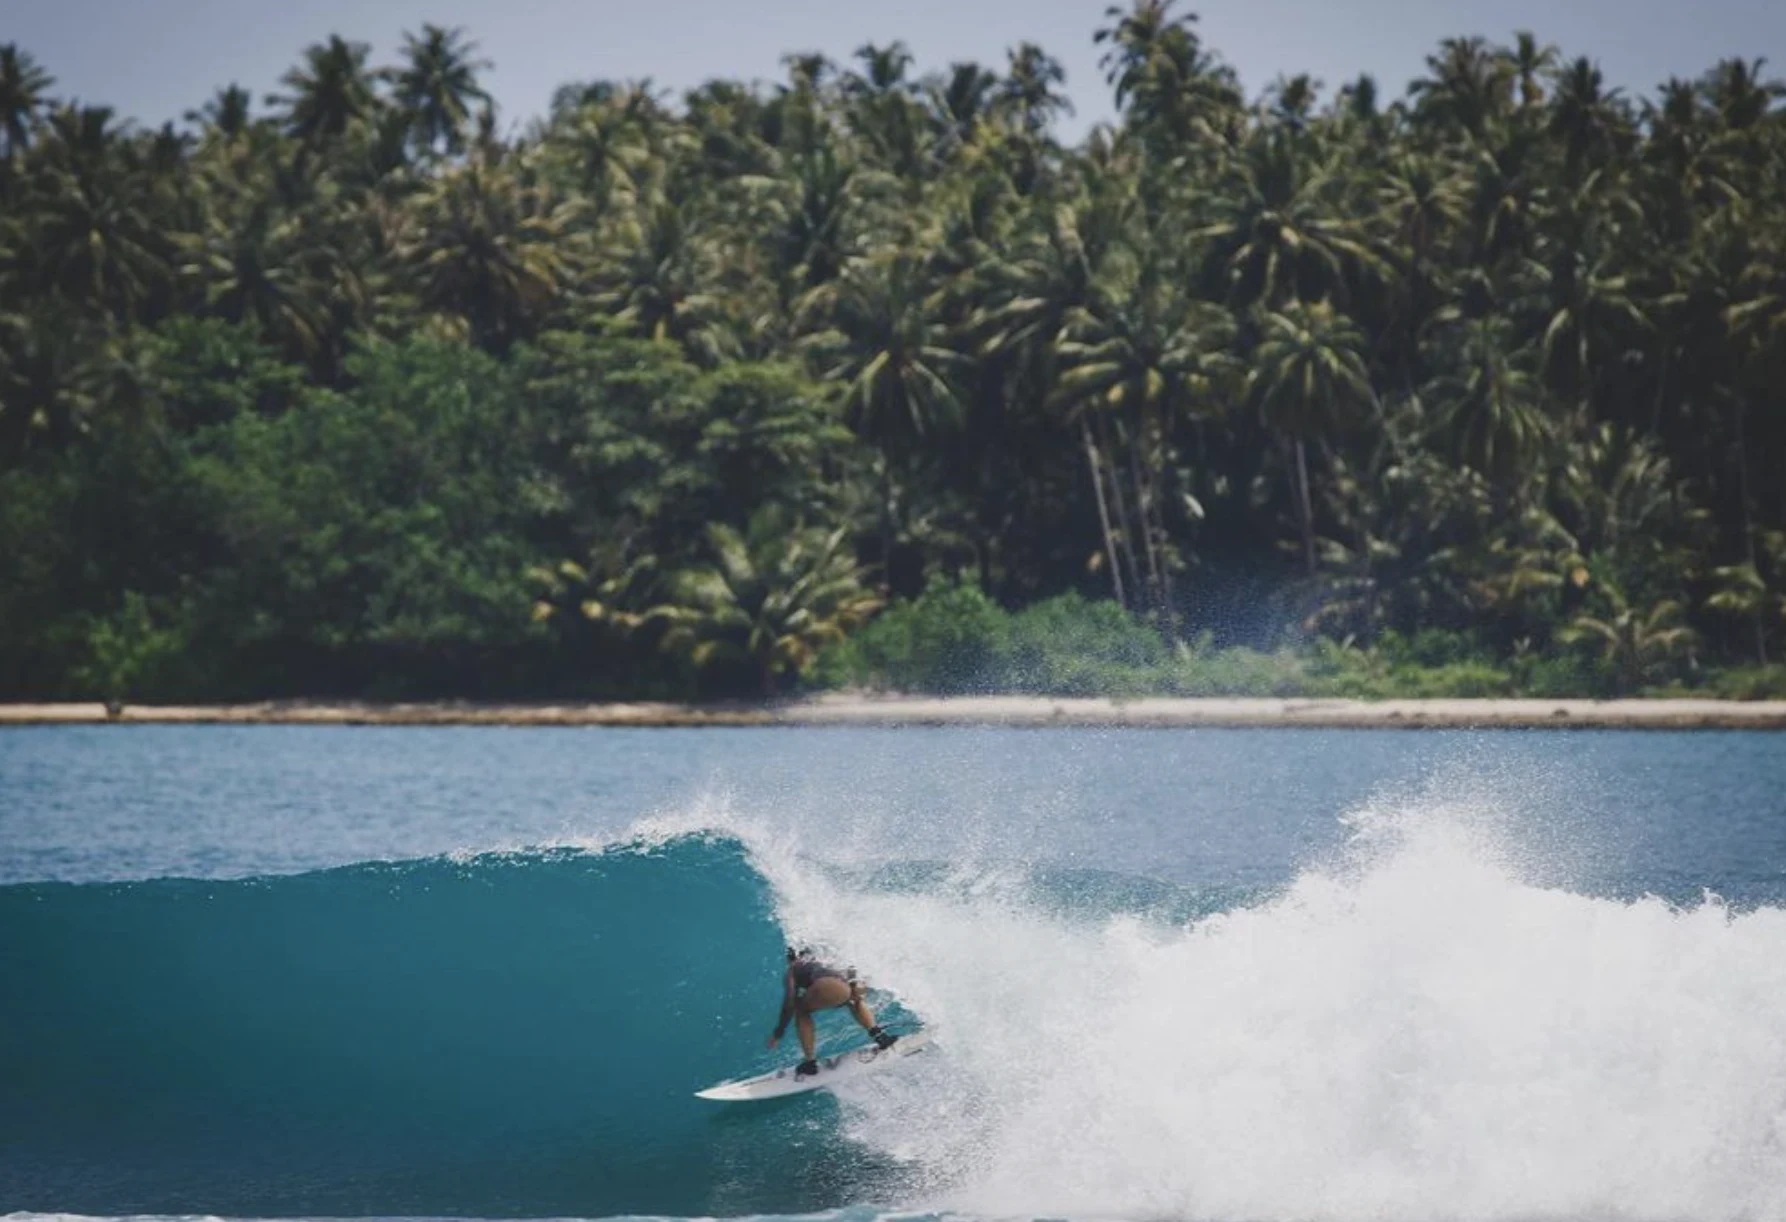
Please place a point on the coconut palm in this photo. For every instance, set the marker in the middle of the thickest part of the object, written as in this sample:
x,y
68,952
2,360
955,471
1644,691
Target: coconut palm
x,y
1137,359
1468,88
227,114
878,341
1486,400
24,89
1277,234
1308,372
97,241
436,87
1637,642
1590,120
1164,79
773,596
493,249
1530,62
255,268
1031,88
883,109
327,92
959,104
659,277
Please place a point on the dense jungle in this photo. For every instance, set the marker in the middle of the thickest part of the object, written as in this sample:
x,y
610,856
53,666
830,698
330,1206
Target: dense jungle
x,y
865,376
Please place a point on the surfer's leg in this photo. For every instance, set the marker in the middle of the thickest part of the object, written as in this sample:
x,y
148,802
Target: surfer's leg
x,y
859,1008
825,993
865,1016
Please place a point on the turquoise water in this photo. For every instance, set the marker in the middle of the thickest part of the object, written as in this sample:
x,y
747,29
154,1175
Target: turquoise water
x,y
282,971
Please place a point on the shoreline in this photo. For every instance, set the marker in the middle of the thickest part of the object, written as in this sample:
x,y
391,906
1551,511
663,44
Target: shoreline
x,y
1015,711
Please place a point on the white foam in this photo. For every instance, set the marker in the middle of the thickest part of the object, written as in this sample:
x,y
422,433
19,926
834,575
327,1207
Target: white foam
x,y
1413,1032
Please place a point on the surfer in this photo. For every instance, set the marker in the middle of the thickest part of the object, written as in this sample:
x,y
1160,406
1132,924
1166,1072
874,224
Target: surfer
x,y
809,986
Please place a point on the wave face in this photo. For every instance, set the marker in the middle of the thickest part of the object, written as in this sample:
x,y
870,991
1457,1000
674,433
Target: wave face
x,y
1411,1031
505,1034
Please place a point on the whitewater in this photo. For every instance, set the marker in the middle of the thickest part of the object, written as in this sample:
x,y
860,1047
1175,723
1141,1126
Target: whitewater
x,y
1498,985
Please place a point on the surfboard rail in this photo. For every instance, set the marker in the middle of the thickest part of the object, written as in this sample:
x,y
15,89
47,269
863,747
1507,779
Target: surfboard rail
x,y
837,1068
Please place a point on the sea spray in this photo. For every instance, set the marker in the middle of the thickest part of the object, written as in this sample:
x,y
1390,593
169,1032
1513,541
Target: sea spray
x,y
1412,1031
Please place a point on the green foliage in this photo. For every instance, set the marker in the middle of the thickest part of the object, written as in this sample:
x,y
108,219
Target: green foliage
x,y
949,641
374,528
771,599
1746,683
360,392
129,651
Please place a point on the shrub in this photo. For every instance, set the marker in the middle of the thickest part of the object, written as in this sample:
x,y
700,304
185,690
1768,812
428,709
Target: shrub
x,y
949,640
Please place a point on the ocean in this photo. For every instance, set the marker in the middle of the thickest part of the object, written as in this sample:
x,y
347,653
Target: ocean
x,y
1202,975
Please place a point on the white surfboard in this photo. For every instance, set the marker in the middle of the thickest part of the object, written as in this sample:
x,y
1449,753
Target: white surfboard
x,y
832,1070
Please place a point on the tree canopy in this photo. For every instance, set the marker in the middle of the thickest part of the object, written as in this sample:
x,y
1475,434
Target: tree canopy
x,y
358,388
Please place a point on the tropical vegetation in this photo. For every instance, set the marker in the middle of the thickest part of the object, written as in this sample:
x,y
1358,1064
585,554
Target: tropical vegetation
x,y
867,376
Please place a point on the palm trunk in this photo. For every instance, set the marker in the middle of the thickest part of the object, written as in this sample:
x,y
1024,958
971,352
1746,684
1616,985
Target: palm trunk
x,y
1144,510
1097,487
1742,491
1303,508
1125,532
887,531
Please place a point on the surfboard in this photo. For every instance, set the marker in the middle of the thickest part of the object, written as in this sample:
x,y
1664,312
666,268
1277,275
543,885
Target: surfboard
x,y
832,1070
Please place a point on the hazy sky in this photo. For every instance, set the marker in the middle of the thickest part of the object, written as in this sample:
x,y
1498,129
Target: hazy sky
x,y
154,59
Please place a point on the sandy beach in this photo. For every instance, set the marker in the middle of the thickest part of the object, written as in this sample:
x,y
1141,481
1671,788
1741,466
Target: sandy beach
x,y
1035,711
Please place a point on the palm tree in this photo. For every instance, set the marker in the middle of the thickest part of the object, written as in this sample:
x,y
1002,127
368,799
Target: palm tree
x,y
1277,235
1589,314
227,113
774,596
600,147
660,276
1529,62
23,93
1636,642
1307,371
1738,95
1590,121
1487,402
1164,79
96,241
1138,358
1468,88
1031,88
493,249
436,88
254,268
878,340
327,92
883,347
1422,203
1032,293
959,104
883,107
808,231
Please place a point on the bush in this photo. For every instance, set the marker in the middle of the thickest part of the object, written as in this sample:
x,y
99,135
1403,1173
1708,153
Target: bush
x,y
1069,646
1198,670
949,640
129,653
1747,683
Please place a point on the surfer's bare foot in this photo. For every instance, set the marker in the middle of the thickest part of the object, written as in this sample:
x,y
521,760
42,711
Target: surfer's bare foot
x,y
806,1069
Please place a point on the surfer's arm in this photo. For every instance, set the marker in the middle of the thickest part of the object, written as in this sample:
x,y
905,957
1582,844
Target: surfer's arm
x,y
787,1008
